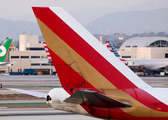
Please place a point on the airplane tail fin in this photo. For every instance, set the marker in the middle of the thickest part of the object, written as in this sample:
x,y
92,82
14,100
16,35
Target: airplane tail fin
x,y
112,48
4,49
77,54
47,52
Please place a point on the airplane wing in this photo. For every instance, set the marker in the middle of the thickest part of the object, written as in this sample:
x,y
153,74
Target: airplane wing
x,y
158,67
6,64
36,94
89,98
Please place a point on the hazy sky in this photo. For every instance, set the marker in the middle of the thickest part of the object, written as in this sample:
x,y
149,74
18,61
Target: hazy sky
x,y
21,9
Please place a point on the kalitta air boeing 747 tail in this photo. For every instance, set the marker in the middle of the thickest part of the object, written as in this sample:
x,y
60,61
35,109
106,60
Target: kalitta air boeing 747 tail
x,y
94,81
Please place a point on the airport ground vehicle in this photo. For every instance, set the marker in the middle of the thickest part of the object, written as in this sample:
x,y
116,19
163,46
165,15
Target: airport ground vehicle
x,y
54,73
29,72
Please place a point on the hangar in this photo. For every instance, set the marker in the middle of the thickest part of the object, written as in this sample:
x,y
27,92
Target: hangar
x,y
145,48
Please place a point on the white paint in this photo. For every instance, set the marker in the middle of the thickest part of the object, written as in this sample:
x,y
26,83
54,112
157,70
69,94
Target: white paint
x,y
58,95
3,51
158,93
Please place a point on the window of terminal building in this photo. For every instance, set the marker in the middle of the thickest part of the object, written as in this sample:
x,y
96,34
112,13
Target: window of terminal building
x,y
35,56
45,64
24,56
159,43
14,56
35,49
35,64
166,55
43,56
126,56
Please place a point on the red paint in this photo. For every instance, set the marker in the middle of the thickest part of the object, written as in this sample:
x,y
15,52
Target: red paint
x,y
123,60
69,78
60,28
108,46
82,48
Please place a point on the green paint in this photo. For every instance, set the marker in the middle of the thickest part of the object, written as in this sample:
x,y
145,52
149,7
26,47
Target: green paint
x,y
7,45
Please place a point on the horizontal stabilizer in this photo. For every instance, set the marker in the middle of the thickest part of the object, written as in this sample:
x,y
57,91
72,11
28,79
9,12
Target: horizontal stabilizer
x,y
36,94
95,99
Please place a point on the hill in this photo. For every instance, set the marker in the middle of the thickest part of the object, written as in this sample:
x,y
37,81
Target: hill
x,y
12,30
131,22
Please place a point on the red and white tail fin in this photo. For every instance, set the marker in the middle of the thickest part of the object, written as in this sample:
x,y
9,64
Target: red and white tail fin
x,y
74,48
112,49
47,52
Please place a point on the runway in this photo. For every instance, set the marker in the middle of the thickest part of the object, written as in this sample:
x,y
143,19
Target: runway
x,y
156,81
40,114
44,83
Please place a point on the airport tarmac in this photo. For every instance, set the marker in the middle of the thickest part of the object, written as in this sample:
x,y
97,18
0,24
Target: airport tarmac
x,y
40,114
156,81
44,83
39,83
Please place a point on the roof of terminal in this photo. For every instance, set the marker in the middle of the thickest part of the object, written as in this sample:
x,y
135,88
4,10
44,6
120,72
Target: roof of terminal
x,y
142,41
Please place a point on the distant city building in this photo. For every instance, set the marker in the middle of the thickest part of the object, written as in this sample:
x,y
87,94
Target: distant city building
x,y
102,39
30,54
145,48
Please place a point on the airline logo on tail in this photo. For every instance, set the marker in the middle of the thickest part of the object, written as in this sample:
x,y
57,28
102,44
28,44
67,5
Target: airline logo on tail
x,y
4,49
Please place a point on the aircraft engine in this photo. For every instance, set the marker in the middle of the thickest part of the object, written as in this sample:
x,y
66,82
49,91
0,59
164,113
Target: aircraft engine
x,y
56,99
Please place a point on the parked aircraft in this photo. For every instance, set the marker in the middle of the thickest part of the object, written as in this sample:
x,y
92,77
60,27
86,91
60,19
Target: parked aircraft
x,y
48,55
148,64
47,52
4,49
94,81
112,49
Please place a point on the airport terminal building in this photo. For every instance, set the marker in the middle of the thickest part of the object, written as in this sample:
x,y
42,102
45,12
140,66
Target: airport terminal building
x,y
30,54
145,48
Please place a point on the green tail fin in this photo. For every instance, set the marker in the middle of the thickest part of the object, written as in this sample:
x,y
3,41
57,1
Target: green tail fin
x,y
4,49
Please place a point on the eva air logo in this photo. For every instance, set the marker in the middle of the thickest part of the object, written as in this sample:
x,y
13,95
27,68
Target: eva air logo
x,y
2,51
